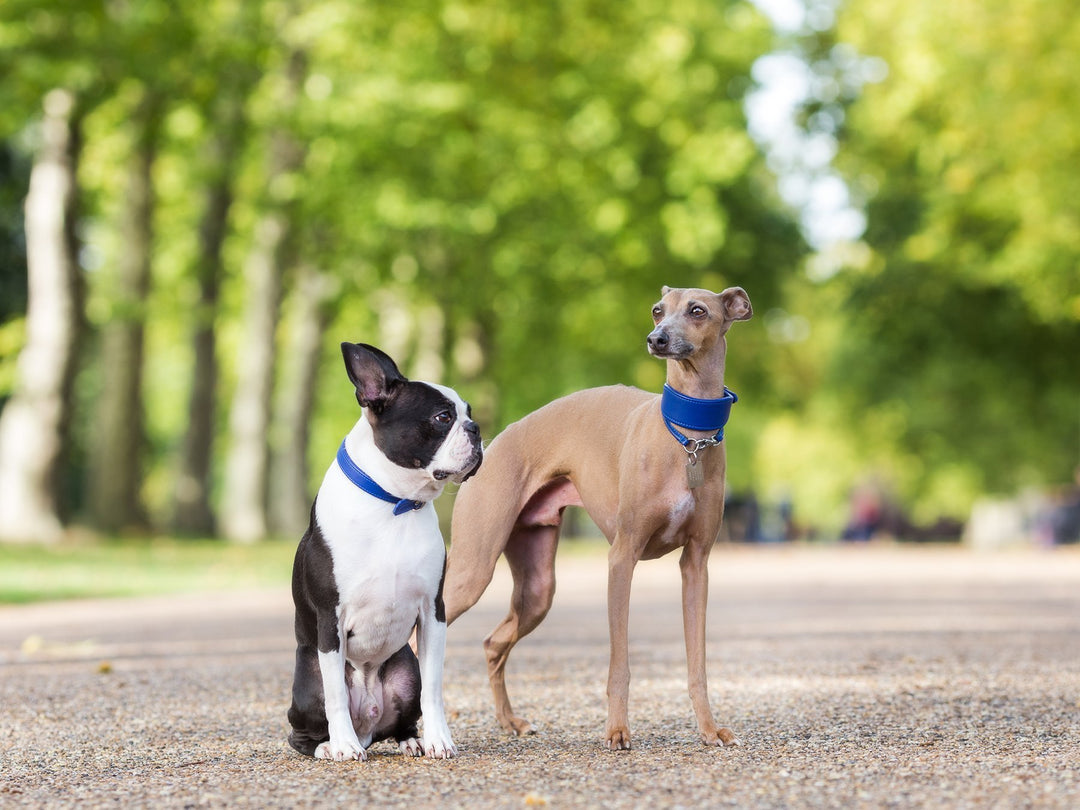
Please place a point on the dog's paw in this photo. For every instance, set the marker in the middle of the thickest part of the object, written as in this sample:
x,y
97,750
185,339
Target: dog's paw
x,y
721,736
439,746
519,727
341,751
411,747
618,739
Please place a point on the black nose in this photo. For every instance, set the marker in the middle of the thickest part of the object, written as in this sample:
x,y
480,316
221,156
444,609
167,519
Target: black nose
x,y
657,340
472,428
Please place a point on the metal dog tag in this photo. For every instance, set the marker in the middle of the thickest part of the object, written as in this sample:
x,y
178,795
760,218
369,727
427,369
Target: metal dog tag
x,y
695,473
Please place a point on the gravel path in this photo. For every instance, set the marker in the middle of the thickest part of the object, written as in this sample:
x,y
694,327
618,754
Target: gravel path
x,y
856,677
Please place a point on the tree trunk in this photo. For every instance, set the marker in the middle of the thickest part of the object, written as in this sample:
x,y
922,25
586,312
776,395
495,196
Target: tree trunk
x,y
33,424
116,461
290,502
192,513
244,500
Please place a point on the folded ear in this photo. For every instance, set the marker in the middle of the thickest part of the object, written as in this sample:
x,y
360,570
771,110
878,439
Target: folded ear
x,y
373,373
665,290
736,304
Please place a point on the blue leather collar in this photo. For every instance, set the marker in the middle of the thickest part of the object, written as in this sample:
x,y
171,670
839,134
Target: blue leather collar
x,y
365,482
696,414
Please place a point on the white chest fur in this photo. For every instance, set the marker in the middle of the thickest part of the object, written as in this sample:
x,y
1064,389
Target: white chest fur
x,y
386,567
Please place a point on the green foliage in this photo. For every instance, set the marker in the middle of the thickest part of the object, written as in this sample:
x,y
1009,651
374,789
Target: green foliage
x,y
964,321
537,173
496,192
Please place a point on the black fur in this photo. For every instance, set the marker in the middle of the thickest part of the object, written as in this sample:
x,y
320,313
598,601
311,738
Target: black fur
x,y
410,433
410,423
440,606
307,715
315,597
404,704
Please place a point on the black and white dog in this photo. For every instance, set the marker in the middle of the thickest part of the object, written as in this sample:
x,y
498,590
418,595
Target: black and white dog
x,y
370,568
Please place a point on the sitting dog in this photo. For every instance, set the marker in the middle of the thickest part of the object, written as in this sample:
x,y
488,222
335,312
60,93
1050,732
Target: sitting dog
x,y
649,470
370,568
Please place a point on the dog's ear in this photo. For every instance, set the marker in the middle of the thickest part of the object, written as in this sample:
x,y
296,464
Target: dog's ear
x,y
665,290
736,304
373,373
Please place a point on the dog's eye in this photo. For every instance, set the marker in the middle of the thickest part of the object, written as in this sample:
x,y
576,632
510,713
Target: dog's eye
x,y
444,418
697,311
657,312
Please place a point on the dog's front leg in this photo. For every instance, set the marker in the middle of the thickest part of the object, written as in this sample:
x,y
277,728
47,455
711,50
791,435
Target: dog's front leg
x,y
343,743
431,648
620,573
695,596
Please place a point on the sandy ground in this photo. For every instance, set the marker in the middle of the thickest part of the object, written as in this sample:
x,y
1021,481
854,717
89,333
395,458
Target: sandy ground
x,y
856,677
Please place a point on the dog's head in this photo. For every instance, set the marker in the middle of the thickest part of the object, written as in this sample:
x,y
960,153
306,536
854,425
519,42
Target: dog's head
x,y
416,425
690,321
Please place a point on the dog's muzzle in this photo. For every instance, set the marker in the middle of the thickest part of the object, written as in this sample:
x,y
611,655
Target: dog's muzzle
x,y
663,344
476,461
472,462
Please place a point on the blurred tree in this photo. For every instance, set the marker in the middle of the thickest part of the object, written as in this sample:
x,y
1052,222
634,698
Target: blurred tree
x,y
493,192
34,423
496,184
534,174
192,512
14,179
312,306
231,45
963,322
47,46
116,466
243,513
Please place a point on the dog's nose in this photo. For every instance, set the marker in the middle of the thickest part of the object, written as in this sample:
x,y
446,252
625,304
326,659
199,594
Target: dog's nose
x,y
657,340
472,428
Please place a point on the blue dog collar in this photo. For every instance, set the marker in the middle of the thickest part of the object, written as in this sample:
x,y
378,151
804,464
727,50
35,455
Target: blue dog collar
x,y
696,414
365,482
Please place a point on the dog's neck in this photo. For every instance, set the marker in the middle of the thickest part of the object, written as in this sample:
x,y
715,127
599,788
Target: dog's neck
x,y
418,485
701,375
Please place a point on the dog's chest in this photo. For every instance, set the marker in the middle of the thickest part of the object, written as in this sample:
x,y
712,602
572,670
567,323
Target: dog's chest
x,y
683,518
377,613
386,568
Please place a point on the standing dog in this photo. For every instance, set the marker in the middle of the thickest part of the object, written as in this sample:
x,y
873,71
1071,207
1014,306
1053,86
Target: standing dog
x,y
370,568
649,486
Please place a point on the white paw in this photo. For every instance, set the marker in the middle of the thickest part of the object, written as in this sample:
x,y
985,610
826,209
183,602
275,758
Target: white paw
x,y
439,745
411,747
340,751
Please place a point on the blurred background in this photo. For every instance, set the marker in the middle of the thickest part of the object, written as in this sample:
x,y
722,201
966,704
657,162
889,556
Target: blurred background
x,y
200,201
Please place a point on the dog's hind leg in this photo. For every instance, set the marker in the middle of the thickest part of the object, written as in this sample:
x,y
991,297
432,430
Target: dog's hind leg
x,y
531,555
307,714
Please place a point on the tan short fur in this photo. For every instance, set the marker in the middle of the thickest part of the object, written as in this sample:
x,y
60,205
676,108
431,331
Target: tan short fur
x,y
606,449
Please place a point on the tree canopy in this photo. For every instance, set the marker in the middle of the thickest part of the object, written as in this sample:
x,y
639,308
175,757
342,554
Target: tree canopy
x,y
494,193
963,320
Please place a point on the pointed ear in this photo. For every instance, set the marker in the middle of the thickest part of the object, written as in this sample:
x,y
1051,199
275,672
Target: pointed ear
x,y
736,304
373,373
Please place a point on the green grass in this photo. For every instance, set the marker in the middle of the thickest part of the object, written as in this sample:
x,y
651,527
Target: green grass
x,y
139,567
